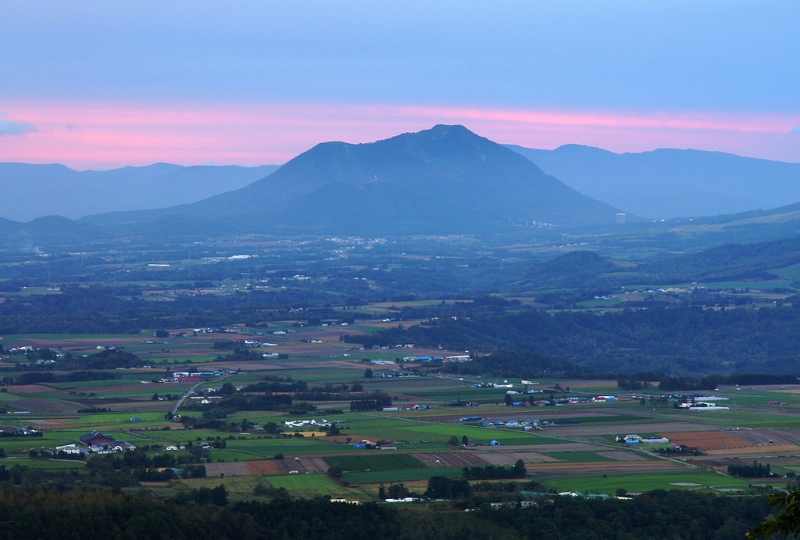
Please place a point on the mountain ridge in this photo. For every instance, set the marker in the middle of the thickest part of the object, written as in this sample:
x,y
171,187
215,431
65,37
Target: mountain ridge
x,y
669,182
60,190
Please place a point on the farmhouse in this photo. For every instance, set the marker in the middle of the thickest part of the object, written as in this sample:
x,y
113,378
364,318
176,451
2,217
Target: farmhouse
x,y
98,443
95,438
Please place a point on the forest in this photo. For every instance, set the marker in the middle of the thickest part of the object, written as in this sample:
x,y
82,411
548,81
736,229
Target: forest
x,y
678,340
47,513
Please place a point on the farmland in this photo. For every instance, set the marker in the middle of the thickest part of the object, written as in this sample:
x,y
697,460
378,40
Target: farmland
x,y
575,450
258,376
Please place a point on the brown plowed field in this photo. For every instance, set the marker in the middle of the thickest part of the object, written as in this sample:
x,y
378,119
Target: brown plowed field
x,y
707,439
237,468
452,459
269,467
29,389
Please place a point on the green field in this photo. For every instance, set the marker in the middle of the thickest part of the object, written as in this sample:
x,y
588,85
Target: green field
x,y
310,485
639,483
407,475
410,431
578,457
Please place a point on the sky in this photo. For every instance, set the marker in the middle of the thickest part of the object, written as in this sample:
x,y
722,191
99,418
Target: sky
x,y
98,85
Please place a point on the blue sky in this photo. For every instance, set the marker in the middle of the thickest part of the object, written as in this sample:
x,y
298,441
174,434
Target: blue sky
x,y
98,84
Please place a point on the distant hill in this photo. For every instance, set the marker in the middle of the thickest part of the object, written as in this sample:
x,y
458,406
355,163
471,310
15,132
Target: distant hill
x,y
443,180
33,191
587,269
669,183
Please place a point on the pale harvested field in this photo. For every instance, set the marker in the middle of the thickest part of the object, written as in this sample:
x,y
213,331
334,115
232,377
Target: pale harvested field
x,y
237,468
764,449
42,405
142,406
757,436
307,464
451,459
707,439
622,455
511,458
55,423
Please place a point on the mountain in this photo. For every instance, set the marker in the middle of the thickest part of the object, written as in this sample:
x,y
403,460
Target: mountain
x,y
33,191
669,183
442,180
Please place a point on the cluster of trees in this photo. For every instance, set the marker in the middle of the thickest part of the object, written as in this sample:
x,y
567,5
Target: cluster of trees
x,y
49,377
135,466
330,392
495,472
372,402
441,487
272,383
102,310
754,470
221,408
682,449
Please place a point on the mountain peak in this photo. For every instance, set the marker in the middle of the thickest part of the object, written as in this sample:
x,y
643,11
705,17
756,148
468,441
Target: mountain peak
x,y
445,179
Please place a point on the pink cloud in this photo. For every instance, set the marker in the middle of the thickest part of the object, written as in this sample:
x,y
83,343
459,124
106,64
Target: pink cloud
x,y
112,134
